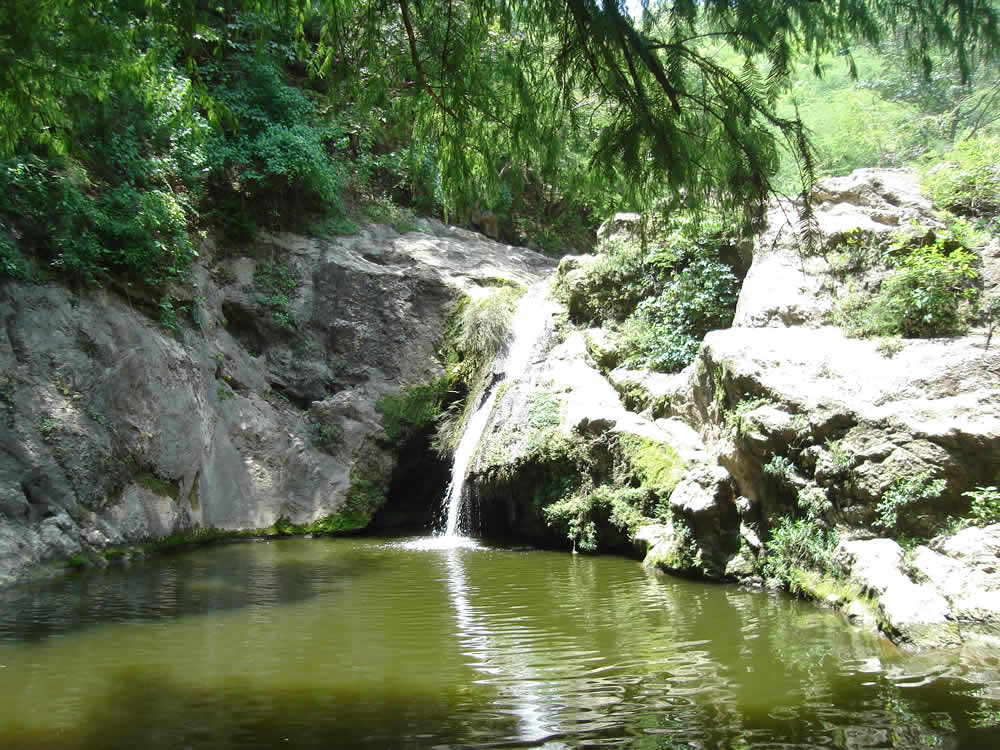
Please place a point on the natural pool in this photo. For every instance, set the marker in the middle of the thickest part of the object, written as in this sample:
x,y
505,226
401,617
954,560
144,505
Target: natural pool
x,y
375,643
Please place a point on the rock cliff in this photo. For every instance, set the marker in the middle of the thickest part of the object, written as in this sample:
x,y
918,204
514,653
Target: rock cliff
x,y
782,414
257,410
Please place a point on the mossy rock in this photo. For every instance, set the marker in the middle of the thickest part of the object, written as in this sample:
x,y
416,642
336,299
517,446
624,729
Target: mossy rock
x,y
655,465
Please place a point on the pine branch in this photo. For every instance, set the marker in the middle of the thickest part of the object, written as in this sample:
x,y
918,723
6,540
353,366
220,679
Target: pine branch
x,y
404,9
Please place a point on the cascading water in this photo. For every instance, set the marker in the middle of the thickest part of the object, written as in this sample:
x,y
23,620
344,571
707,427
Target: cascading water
x,y
526,328
463,456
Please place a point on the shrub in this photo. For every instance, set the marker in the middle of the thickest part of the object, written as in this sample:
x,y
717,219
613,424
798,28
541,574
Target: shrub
x,y
121,202
585,517
479,331
618,280
780,467
903,493
736,420
968,184
12,263
138,233
836,457
797,545
412,410
277,284
573,516
922,296
985,506
631,271
270,162
665,332
814,502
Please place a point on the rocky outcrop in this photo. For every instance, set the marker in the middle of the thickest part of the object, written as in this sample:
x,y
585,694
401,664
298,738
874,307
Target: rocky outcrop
x,y
805,419
259,407
786,416
560,426
851,419
787,286
933,595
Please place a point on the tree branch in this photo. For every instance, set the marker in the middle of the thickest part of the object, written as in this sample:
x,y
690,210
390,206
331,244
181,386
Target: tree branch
x,y
404,9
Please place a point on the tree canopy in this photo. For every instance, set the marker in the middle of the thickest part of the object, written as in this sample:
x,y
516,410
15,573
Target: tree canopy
x,y
242,108
660,115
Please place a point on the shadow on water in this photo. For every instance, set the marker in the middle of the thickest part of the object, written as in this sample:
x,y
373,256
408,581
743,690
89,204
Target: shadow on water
x,y
192,582
144,710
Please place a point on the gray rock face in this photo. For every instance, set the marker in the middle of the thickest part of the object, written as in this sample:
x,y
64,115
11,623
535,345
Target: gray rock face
x,y
850,419
792,413
114,432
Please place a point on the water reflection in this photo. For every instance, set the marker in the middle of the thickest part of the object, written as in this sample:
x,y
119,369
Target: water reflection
x,y
497,651
361,643
580,659
215,579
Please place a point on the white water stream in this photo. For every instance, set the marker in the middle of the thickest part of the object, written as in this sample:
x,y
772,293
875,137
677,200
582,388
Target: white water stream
x,y
526,327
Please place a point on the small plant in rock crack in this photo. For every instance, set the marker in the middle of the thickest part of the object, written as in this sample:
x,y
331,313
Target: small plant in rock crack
x,y
905,492
814,502
889,346
326,437
780,467
985,506
278,284
47,429
837,458
735,420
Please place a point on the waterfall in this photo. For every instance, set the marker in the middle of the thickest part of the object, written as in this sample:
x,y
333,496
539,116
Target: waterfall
x,y
526,327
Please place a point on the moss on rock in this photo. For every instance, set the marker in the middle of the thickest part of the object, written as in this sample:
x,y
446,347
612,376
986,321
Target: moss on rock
x,y
655,465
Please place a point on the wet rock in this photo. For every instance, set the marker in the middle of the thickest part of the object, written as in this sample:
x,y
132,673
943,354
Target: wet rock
x,y
671,548
916,615
704,500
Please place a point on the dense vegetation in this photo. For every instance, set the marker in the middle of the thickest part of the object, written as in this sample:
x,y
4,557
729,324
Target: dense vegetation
x,y
125,127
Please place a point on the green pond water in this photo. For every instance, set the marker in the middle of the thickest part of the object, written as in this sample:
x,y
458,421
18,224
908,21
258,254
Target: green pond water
x,y
379,643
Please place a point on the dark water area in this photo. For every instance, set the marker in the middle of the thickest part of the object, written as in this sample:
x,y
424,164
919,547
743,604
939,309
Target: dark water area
x,y
376,643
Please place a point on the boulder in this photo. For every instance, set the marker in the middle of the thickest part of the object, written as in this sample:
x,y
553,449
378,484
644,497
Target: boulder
x,y
704,501
917,616
486,222
788,286
800,394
